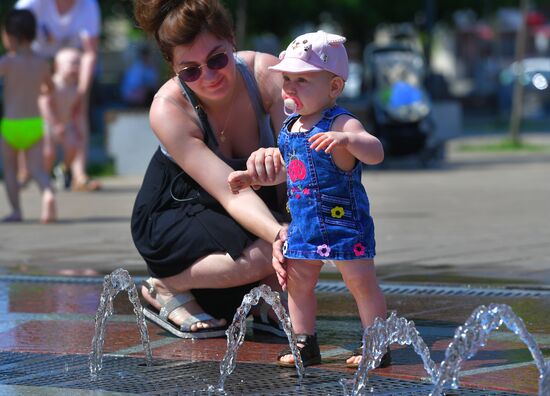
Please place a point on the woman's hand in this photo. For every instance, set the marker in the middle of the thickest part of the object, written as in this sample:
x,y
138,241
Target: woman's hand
x,y
278,260
264,165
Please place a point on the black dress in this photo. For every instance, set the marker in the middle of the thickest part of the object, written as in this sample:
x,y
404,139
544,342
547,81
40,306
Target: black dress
x,y
175,222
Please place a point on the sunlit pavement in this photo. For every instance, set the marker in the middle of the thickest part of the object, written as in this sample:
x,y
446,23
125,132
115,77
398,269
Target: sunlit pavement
x,y
43,315
478,223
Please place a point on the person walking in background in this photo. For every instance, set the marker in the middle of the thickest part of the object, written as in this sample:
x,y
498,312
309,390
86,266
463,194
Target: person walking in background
x,y
321,150
62,126
26,76
71,23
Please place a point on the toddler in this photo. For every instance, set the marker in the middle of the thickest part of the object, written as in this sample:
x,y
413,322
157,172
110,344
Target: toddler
x,y
62,125
322,148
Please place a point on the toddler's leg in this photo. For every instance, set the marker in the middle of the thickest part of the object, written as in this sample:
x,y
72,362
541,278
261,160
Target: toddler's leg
x,y
10,160
35,161
48,150
70,145
360,279
302,302
81,180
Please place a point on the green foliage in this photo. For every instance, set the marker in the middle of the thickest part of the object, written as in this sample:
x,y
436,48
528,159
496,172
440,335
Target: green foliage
x,y
101,169
357,17
504,145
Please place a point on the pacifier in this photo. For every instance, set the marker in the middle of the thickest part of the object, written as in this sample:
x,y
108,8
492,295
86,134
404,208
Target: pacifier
x,y
290,105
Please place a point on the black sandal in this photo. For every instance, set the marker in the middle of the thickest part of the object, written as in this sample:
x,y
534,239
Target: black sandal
x,y
309,353
384,362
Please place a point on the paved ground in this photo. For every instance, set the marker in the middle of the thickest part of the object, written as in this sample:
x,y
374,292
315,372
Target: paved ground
x,y
478,223
477,218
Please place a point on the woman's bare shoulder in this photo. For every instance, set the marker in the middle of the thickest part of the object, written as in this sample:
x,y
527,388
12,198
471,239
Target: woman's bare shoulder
x,y
171,108
258,63
169,94
269,83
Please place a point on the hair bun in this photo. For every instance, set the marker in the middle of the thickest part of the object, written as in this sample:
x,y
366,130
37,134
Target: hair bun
x,y
150,14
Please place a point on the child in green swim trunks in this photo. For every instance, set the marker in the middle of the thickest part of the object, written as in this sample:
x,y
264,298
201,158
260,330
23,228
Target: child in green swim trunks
x,y
26,76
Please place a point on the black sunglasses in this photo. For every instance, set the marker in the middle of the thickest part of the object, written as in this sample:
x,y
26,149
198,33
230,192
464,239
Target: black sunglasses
x,y
192,73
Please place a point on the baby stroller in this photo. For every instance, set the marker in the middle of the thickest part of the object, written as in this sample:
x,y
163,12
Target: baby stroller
x,y
398,110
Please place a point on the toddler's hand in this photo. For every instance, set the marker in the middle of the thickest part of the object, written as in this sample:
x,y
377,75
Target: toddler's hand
x,y
328,141
239,180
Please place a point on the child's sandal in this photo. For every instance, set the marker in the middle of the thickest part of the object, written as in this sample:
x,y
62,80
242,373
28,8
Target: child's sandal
x,y
309,353
384,362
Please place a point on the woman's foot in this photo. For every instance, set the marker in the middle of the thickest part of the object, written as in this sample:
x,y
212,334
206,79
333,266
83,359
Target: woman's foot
x,y
265,319
49,214
182,313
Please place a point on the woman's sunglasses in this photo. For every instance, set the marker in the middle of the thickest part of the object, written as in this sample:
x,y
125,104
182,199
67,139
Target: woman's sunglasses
x,y
192,73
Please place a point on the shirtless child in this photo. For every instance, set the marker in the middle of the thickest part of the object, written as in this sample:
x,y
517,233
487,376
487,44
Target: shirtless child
x,y
26,76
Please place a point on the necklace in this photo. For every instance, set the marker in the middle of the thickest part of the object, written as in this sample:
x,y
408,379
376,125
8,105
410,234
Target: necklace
x,y
221,134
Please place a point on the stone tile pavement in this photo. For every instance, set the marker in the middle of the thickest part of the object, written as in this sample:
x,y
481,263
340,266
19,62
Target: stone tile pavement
x,y
478,222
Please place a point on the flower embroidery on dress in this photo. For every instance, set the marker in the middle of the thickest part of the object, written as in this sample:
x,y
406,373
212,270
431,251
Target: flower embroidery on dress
x,y
359,249
337,212
306,191
323,250
296,170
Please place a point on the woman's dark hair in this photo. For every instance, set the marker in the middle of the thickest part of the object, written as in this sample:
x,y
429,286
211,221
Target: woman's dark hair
x,y
21,24
179,22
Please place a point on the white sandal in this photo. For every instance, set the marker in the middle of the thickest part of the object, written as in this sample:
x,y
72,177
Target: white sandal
x,y
169,305
263,323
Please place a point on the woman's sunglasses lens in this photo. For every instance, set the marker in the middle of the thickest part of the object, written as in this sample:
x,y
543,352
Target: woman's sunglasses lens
x,y
190,74
218,61
215,62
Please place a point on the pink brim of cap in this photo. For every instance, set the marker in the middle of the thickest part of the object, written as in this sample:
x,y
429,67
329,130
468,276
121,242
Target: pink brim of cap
x,y
294,65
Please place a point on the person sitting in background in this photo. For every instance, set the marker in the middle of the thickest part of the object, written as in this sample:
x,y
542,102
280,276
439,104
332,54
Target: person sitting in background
x,y
140,81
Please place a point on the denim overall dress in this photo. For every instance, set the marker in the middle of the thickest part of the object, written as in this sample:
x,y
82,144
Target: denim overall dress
x,y
329,207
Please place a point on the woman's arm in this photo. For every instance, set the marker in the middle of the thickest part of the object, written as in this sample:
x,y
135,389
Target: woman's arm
x,y
46,101
270,85
265,163
87,64
178,130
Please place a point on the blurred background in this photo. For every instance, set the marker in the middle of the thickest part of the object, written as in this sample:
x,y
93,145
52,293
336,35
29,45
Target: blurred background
x,y
421,71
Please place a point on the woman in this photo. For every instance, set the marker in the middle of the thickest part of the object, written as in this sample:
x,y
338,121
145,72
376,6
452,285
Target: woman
x,y
191,230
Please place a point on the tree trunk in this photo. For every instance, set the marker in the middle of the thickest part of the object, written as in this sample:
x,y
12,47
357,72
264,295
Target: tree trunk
x,y
517,98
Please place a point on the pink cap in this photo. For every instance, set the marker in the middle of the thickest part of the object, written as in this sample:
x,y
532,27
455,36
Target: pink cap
x,y
315,52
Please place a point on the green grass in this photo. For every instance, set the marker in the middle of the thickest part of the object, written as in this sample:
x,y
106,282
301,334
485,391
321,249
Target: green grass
x,y
101,169
505,145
